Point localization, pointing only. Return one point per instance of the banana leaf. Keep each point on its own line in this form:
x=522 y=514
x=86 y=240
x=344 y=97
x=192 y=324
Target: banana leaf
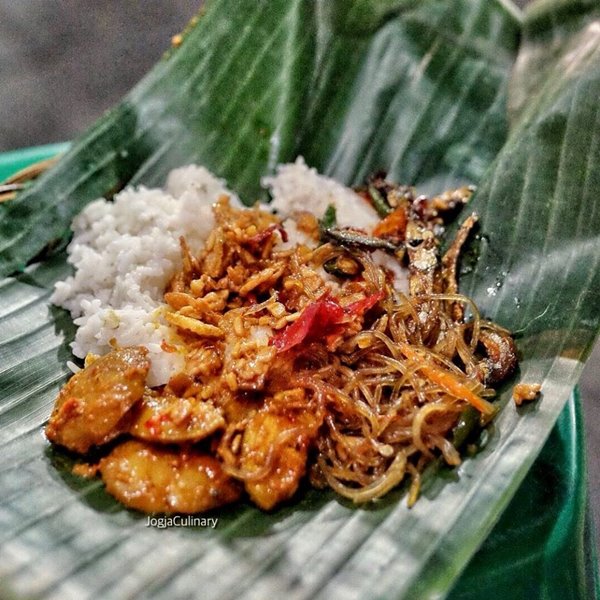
x=420 y=89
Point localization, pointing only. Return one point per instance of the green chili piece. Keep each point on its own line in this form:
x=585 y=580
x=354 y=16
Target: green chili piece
x=379 y=202
x=329 y=219
x=468 y=423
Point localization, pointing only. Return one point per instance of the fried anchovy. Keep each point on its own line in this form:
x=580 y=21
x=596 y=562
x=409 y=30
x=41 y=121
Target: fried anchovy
x=353 y=239
x=450 y=263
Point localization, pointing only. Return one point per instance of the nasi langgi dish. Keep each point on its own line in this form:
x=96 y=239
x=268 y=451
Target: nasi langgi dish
x=235 y=351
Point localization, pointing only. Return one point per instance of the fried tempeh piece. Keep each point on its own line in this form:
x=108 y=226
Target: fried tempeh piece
x=91 y=405
x=169 y=419
x=153 y=479
x=278 y=445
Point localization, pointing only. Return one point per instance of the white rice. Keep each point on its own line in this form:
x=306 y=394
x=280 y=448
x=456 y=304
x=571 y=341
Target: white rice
x=296 y=187
x=125 y=252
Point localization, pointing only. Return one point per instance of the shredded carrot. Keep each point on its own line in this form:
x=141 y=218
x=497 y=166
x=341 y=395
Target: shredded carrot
x=449 y=383
x=393 y=224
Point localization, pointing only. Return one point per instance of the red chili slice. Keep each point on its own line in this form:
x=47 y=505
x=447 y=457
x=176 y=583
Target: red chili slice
x=320 y=319
x=360 y=307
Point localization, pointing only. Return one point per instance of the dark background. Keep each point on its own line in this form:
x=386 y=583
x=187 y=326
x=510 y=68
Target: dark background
x=64 y=62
